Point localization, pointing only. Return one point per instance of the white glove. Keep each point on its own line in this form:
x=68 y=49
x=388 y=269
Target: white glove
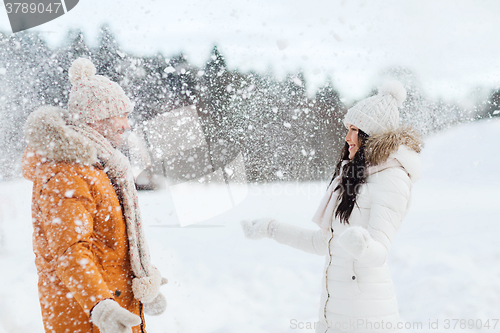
x=147 y=288
x=355 y=240
x=257 y=229
x=110 y=317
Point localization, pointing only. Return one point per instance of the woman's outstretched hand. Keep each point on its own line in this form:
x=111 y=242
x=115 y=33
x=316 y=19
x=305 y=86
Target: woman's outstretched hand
x=257 y=229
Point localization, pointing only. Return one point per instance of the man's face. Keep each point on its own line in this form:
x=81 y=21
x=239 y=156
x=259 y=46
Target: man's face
x=112 y=129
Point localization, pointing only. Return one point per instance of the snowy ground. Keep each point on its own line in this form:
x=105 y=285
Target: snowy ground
x=445 y=261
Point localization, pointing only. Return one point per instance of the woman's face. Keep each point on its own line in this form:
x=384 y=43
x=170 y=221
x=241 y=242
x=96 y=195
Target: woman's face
x=352 y=139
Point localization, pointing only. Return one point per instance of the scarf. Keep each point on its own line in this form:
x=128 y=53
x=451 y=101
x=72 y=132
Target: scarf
x=119 y=172
x=326 y=210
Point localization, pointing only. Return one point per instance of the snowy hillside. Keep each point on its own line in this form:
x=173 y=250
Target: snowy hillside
x=445 y=261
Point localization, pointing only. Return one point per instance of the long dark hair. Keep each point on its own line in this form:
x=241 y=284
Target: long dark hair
x=353 y=175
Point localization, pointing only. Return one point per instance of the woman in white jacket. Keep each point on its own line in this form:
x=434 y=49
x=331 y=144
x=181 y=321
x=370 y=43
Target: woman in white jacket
x=360 y=214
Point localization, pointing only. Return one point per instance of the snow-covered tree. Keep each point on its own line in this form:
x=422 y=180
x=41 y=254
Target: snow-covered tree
x=22 y=56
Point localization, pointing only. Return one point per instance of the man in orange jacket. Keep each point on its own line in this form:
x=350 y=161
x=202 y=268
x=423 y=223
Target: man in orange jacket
x=92 y=258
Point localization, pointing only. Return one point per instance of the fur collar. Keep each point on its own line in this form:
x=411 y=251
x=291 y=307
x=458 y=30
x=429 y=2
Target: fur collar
x=49 y=136
x=402 y=144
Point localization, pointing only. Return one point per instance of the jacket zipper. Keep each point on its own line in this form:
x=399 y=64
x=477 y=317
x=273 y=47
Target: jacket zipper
x=142 y=317
x=326 y=280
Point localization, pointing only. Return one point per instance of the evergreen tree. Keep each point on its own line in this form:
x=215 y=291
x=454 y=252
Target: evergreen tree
x=330 y=130
x=53 y=85
x=21 y=60
x=493 y=105
x=216 y=116
x=107 y=55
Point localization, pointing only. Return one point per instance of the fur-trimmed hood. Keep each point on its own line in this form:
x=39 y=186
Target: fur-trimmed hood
x=50 y=139
x=48 y=134
x=402 y=144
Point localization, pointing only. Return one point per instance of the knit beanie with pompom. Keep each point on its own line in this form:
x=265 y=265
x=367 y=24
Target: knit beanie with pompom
x=94 y=97
x=378 y=113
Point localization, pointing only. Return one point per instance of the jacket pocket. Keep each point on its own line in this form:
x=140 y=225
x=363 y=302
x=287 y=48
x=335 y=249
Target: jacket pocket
x=353 y=278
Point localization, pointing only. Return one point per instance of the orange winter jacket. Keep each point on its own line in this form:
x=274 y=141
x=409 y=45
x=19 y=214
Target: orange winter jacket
x=80 y=243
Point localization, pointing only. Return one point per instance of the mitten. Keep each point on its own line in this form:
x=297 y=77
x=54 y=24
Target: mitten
x=355 y=240
x=110 y=317
x=256 y=229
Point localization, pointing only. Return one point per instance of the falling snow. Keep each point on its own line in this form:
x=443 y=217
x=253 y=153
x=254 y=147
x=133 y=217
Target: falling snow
x=282 y=134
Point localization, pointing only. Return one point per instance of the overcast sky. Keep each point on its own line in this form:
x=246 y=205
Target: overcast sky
x=453 y=46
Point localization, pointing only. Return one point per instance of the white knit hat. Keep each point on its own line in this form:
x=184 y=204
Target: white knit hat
x=378 y=113
x=94 y=97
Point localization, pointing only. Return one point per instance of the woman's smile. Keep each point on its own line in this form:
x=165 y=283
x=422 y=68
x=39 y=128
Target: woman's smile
x=352 y=139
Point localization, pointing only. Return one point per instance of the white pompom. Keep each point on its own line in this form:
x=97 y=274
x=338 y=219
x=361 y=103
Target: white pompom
x=396 y=89
x=81 y=68
x=157 y=306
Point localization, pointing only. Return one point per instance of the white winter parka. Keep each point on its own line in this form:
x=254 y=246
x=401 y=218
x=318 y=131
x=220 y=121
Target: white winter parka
x=358 y=294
